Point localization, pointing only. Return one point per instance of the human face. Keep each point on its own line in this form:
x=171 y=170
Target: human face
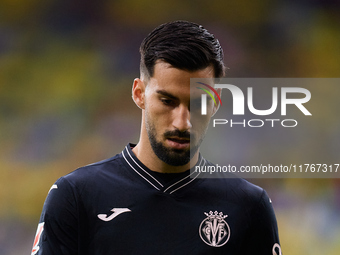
x=167 y=114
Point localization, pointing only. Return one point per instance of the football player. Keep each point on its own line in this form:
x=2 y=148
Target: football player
x=145 y=200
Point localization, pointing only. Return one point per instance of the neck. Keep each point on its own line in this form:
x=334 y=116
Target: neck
x=146 y=155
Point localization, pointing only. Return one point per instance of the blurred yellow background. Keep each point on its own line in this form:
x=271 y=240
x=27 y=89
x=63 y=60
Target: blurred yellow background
x=66 y=70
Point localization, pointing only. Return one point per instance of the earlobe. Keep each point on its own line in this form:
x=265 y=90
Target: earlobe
x=138 y=93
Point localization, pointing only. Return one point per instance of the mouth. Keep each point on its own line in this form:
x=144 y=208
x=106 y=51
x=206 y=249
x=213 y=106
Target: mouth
x=178 y=143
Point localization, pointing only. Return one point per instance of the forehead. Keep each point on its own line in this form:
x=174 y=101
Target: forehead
x=173 y=80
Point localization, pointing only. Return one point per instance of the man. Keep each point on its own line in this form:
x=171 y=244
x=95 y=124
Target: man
x=145 y=200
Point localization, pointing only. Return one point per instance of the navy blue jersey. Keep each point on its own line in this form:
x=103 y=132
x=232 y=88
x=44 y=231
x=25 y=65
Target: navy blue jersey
x=118 y=206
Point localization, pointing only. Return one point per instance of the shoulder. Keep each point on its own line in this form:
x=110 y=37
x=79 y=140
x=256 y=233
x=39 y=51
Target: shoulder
x=245 y=188
x=231 y=186
x=91 y=174
x=235 y=190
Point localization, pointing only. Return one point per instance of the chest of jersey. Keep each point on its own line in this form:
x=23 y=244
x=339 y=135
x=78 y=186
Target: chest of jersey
x=147 y=221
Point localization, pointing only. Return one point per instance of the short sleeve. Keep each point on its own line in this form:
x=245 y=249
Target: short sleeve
x=263 y=237
x=57 y=232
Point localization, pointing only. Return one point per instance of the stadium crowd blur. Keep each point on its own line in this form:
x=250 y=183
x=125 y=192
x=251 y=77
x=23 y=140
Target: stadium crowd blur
x=66 y=70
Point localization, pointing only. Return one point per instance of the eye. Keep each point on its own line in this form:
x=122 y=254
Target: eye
x=167 y=101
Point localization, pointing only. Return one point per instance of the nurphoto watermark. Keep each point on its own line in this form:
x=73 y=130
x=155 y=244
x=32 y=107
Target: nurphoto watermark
x=267 y=127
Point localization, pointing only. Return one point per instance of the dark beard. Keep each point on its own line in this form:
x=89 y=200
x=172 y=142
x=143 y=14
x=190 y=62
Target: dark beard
x=173 y=157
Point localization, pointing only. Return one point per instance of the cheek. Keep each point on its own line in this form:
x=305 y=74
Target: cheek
x=198 y=119
x=153 y=105
x=202 y=121
x=158 y=111
x=154 y=113
x=199 y=124
x=157 y=117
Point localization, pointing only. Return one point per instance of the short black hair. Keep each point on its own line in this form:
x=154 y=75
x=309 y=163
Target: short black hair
x=184 y=45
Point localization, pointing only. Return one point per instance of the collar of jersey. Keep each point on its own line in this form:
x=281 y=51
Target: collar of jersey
x=146 y=174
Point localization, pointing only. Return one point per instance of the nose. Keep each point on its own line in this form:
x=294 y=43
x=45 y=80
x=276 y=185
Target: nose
x=181 y=118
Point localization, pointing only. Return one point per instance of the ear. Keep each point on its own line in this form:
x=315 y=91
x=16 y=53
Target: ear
x=219 y=92
x=138 y=93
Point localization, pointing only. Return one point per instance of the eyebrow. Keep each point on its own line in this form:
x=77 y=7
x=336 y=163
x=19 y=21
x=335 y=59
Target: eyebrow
x=167 y=94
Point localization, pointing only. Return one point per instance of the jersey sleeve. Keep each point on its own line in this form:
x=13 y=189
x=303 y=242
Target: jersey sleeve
x=57 y=231
x=263 y=237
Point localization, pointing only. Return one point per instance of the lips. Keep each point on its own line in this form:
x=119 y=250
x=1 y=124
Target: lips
x=178 y=143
